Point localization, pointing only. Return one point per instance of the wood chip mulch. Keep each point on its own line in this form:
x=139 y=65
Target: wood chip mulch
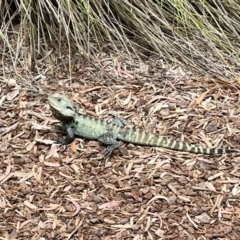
x=48 y=191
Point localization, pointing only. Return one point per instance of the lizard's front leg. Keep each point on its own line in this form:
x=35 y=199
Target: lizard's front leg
x=109 y=138
x=70 y=128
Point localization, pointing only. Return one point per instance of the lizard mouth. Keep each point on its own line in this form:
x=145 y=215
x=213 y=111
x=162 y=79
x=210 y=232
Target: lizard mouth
x=62 y=116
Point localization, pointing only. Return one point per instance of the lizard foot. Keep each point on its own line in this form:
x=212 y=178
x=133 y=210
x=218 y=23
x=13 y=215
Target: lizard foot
x=110 y=149
x=64 y=141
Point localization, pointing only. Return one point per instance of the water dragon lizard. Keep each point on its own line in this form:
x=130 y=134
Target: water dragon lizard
x=109 y=133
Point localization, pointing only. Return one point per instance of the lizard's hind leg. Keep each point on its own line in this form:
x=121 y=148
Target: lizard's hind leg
x=109 y=138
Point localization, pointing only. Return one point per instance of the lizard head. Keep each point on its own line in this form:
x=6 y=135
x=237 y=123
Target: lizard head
x=62 y=107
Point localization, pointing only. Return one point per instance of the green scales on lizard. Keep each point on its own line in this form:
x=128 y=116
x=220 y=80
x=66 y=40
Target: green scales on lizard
x=109 y=133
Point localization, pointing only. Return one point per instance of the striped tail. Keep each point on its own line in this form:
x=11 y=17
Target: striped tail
x=143 y=138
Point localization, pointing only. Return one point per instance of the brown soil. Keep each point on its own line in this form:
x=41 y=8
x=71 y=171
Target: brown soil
x=50 y=191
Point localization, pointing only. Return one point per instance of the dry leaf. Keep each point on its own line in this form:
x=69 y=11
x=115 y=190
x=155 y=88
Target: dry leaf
x=109 y=204
x=3 y=146
x=78 y=208
x=203 y=218
x=199 y=99
x=11 y=95
x=6 y=130
x=158 y=197
x=52 y=164
x=7 y=172
x=73 y=146
x=30 y=205
x=25 y=223
x=155 y=108
x=128 y=99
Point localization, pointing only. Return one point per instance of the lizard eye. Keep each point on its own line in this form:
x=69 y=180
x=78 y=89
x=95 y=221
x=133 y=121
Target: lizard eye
x=70 y=108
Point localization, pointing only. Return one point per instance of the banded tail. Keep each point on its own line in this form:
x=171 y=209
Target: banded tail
x=143 y=138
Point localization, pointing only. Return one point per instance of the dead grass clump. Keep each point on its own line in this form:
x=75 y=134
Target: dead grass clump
x=203 y=35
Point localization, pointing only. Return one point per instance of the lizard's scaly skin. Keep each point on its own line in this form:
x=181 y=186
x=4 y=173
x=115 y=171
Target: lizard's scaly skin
x=108 y=133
